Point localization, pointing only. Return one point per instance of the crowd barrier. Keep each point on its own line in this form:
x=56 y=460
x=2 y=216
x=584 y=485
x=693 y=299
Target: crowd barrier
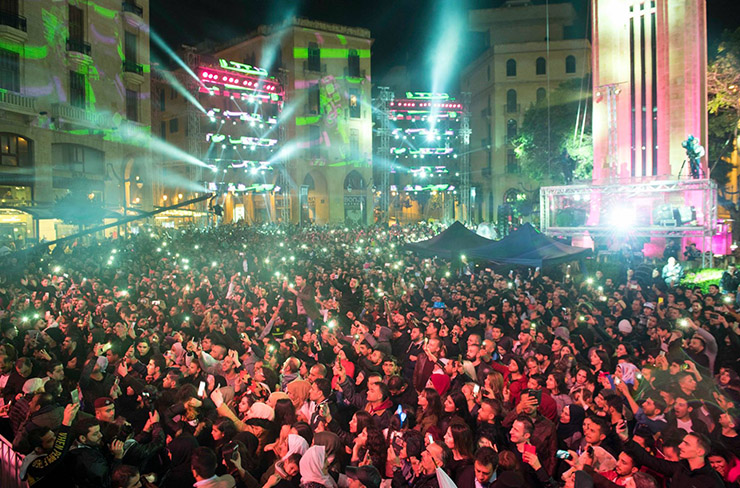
x=10 y=466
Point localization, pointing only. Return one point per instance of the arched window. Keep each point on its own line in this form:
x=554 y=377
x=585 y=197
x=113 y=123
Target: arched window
x=308 y=181
x=15 y=150
x=354 y=181
x=511 y=129
x=511 y=104
x=541 y=95
x=570 y=64
x=541 y=68
x=511 y=67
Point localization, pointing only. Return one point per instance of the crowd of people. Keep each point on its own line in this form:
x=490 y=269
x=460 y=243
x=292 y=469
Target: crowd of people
x=286 y=357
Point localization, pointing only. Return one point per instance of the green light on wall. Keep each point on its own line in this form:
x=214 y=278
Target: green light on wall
x=330 y=53
x=300 y=121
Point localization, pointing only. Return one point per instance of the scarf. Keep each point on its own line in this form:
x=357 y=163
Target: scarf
x=577 y=415
x=296 y=444
x=384 y=405
x=312 y=467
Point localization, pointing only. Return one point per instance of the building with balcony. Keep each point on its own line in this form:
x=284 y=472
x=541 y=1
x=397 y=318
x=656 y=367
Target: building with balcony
x=74 y=106
x=519 y=68
x=321 y=167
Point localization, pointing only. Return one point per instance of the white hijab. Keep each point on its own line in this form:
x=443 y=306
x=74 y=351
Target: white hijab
x=296 y=444
x=312 y=467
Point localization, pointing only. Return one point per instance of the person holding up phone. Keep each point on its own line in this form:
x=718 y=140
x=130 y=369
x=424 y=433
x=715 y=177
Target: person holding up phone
x=543 y=435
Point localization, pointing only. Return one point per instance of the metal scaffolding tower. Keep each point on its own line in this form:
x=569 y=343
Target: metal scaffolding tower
x=283 y=176
x=466 y=210
x=384 y=150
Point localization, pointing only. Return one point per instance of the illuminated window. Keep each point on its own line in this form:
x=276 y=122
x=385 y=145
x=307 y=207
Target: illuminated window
x=132 y=105
x=314 y=136
x=314 y=57
x=511 y=67
x=314 y=99
x=541 y=94
x=14 y=150
x=353 y=63
x=9 y=71
x=570 y=64
x=355 y=110
x=511 y=105
x=354 y=145
x=541 y=66
x=77 y=89
x=174 y=125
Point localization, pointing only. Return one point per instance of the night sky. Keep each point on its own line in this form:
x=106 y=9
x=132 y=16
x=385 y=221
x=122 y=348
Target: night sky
x=404 y=30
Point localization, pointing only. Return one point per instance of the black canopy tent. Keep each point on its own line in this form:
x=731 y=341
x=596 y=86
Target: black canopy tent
x=526 y=246
x=450 y=243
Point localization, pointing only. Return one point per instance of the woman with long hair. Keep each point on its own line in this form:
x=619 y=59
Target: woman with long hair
x=600 y=363
x=429 y=412
x=370 y=448
x=555 y=384
x=455 y=410
x=459 y=438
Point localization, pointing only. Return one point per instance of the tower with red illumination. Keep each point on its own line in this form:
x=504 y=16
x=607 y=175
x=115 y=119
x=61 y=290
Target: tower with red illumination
x=649 y=85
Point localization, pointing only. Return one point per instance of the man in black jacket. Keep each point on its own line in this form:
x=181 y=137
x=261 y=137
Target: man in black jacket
x=87 y=463
x=691 y=471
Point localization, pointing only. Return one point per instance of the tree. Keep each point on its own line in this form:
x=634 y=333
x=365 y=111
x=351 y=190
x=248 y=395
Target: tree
x=723 y=82
x=557 y=144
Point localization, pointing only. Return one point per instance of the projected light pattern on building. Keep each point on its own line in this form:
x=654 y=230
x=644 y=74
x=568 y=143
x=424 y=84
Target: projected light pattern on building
x=425 y=126
x=243 y=105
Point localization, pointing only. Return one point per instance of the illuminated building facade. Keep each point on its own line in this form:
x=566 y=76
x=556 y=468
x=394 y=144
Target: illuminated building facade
x=649 y=65
x=427 y=142
x=319 y=151
x=74 y=109
x=519 y=68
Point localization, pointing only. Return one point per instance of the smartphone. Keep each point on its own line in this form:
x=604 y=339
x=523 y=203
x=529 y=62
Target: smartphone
x=537 y=394
x=476 y=390
x=202 y=389
x=430 y=439
x=560 y=454
x=75 y=394
x=530 y=449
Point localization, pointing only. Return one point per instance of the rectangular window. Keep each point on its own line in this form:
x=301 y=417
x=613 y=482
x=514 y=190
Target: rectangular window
x=131 y=47
x=174 y=126
x=354 y=144
x=162 y=100
x=76 y=24
x=74 y=158
x=132 y=105
x=314 y=99
x=77 y=90
x=314 y=57
x=173 y=94
x=353 y=63
x=163 y=130
x=355 y=111
x=10 y=71
x=512 y=166
x=8 y=150
x=314 y=136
